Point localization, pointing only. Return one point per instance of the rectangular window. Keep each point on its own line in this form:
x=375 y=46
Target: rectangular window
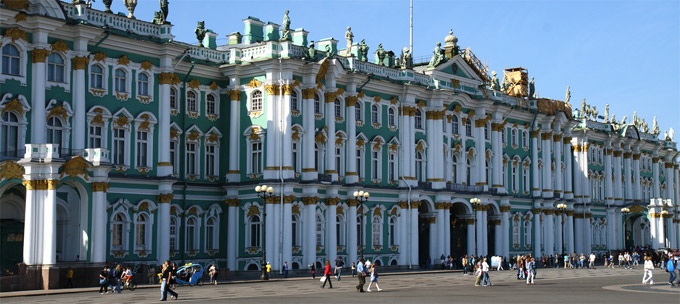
x=295 y=158
x=142 y=146
x=374 y=165
x=358 y=160
x=95 y=137
x=391 y=174
x=191 y=158
x=210 y=160
x=118 y=146
x=338 y=160
x=173 y=157
x=256 y=161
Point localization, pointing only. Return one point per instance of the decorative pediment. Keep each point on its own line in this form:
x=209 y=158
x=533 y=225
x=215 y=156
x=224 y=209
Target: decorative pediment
x=458 y=69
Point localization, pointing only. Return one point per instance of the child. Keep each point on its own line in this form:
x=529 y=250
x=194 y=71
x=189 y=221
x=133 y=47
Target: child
x=374 y=278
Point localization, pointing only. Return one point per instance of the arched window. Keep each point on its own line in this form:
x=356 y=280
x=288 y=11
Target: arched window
x=211 y=159
x=173 y=234
x=254 y=231
x=192 y=105
x=486 y=131
x=191 y=239
x=340 y=230
x=419 y=166
x=142 y=148
x=513 y=136
x=505 y=173
x=525 y=178
x=515 y=232
x=454 y=125
x=468 y=127
x=488 y=172
x=515 y=179
x=468 y=169
x=296 y=237
x=393 y=231
x=119 y=150
x=454 y=171
x=96 y=77
x=357 y=111
x=143 y=84
x=376 y=231
x=173 y=99
x=210 y=105
x=392 y=167
x=525 y=139
x=210 y=240
x=375 y=114
x=256 y=101
x=418 y=119
x=319 y=230
x=338 y=108
x=391 y=117
x=294 y=105
x=140 y=232
x=11 y=60
x=55 y=68
x=191 y=158
x=444 y=126
x=504 y=138
x=360 y=233
x=317 y=104
x=120 y=81
x=527 y=233
x=54 y=130
x=117 y=233
x=318 y=158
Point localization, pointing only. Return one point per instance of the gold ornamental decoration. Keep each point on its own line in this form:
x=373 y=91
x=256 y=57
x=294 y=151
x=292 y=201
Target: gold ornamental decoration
x=15 y=34
x=212 y=137
x=194 y=84
x=308 y=93
x=193 y=135
x=122 y=121
x=60 y=46
x=165 y=198
x=146 y=65
x=99 y=56
x=332 y=201
x=15 y=106
x=75 y=167
x=11 y=170
x=21 y=16
x=213 y=86
x=79 y=63
x=123 y=60
x=253 y=210
x=168 y=78
x=321 y=75
x=100 y=186
x=39 y=55
x=235 y=95
x=16 y=4
x=271 y=89
x=57 y=111
x=254 y=83
x=310 y=200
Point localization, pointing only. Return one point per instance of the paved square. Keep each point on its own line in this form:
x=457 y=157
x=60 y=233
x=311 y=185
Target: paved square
x=552 y=286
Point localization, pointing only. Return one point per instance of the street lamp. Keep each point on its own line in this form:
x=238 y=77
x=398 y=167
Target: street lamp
x=264 y=192
x=361 y=197
x=625 y=211
x=563 y=208
x=475 y=203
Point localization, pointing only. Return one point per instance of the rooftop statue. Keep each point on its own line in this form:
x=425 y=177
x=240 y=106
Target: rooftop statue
x=200 y=32
x=349 y=37
x=406 y=58
x=594 y=112
x=285 y=27
x=437 y=56
x=532 y=89
x=606 y=113
x=329 y=51
x=363 y=49
x=161 y=16
x=643 y=126
x=495 y=86
x=381 y=54
x=613 y=120
x=623 y=121
x=505 y=84
x=107 y=4
x=311 y=52
x=568 y=96
x=670 y=134
x=665 y=135
x=655 y=127
x=130 y=5
x=635 y=118
x=583 y=107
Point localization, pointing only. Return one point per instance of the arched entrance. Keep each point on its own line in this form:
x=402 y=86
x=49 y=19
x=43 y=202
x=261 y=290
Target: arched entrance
x=424 y=220
x=12 y=211
x=637 y=231
x=492 y=226
x=459 y=230
x=69 y=218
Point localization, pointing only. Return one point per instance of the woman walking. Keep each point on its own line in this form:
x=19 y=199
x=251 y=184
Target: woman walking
x=530 y=271
x=327 y=274
x=374 y=279
x=648 y=277
x=354 y=269
x=213 y=274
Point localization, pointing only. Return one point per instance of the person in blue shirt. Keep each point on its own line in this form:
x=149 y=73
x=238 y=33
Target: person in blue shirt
x=361 y=274
x=670 y=267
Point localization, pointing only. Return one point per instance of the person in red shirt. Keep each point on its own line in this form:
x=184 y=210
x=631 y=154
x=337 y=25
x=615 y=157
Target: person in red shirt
x=327 y=274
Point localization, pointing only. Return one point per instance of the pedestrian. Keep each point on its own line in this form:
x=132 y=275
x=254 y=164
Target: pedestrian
x=69 y=277
x=173 y=275
x=566 y=261
x=478 y=273
x=327 y=274
x=165 y=282
x=374 y=278
x=285 y=269
x=338 y=267
x=103 y=281
x=117 y=272
x=648 y=276
x=150 y=272
x=591 y=261
x=465 y=264
x=312 y=266
x=486 y=281
x=361 y=274
x=670 y=268
x=367 y=264
x=212 y=271
x=354 y=269
x=269 y=270
x=531 y=271
x=582 y=261
x=620 y=260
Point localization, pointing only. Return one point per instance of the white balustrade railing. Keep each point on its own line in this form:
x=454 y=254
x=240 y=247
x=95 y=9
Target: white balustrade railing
x=96 y=156
x=118 y=22
x=209 y=54
x=253 y=53
x=44 y=152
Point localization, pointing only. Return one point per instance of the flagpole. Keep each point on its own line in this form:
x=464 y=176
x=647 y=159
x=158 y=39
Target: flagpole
x=411 y=30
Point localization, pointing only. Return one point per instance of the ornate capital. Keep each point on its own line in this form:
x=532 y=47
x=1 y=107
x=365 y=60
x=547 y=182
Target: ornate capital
x=272 y=89
x=308 y=93
x=505 y=208
x=351 y=202
x=415 y=205
x=534 y=134
x=557 y=138
x=232 y=202
x=79 y=63
x=617 y=153
x=165 y=198
x=548 y=211
x=41 y=184
x=332 y=201
x=403 y=204
x=310 y=200
x=566 y=140
x=636 y=156
x=351 y=101
x=100 y=186
x=39 y=55
x=469 y=221
x=546 y=136
x=330 y=96
x=537 y=210
x=168 y=78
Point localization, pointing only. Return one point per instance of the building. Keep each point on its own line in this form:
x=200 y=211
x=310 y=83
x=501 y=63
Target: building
x=121 y=145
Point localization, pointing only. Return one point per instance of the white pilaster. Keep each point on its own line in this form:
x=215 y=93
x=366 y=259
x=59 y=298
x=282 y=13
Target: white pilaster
x=330 y=142
x=331 y=228
x=232 y=230
x=352 y=232
x=308 y=171
x=288 y=232
x=351 y=174
x=568 y=190
x=234 y=175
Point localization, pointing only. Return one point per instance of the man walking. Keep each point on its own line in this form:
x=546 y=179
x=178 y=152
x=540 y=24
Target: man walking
x=165 y=282
x=338 y=267
x=591 y=261
x=361 y=274
x=486 y=281
x=285 y=270
x=670 y=267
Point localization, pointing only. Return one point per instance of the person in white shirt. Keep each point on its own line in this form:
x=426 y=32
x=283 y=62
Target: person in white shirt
x=530 y=271
x=648 y=277
x=591 y=261
x=367 y=264
x=486 y=281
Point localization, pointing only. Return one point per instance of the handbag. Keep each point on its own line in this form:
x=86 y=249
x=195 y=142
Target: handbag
x=102 y=281
x=322 y=279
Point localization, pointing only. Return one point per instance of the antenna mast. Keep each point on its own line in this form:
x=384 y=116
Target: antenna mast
x=411 y=30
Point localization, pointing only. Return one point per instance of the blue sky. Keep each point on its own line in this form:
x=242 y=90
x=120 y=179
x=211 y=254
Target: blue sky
x=624 y=53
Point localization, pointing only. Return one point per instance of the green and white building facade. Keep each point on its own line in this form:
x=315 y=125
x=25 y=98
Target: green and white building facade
x=121 y=145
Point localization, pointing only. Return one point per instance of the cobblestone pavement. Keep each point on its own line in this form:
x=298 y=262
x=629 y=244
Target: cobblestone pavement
x=552 y=286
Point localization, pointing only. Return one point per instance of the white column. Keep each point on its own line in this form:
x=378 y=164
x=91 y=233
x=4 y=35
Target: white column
x=434 y=244
x=30 y=224
x=308 y=172
x=535 y=185
x=270 y=236
x=352 y=241
x=557 y=154
x=163 y=241
x=637 y=189
x=498 y=238
x=414 y=257
x=588 y=234
x=578 y=232
x=286 y=128
x=537 y=234
x=480 y=146
x=38 y=82
x=655 y=174
x=618 y=185
x=276 y=229
x=271 y=168
x=351 y=174
x=405 y=152
x=441 y=234
x=628 y=195
x=403 y=222
x=568 y=190
x=430 y=134
x=497 y=148
x=670 y=188
x=331 y=228
x=549 y=232
x=611 y=224
x=608 y=187
x=439 y=151
x=233 y=175
x=471 y=236
x=479 y=232
x=546 y=139
x=569 y=244
x=232 y=231
x=485 y=230
x=559 y=228
x=505 y=228
x=412 y=148
x=330 y=142
x=447 y=230
x=79 y=88
x=50 y=224
x=288 y=232
x=309 y=249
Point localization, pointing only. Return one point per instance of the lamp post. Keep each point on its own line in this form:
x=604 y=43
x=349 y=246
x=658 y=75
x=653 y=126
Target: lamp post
x=625 y=211
x=264 y=192
x=475 y=203
x=361 y=197
x=563 y=208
